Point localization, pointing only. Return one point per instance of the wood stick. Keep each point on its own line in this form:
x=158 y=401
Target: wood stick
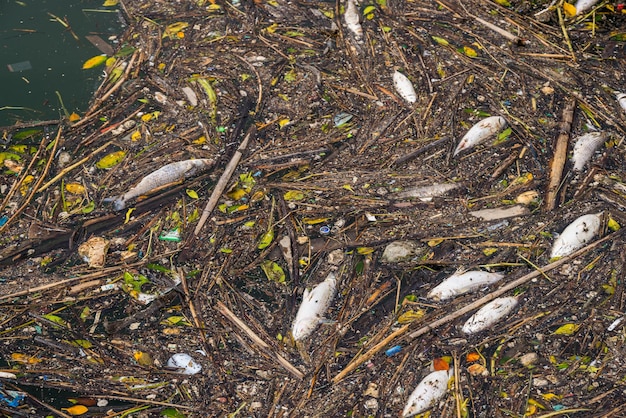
x=223 y=181
x=35 y=188
x=256 y=339
x=356 y=362
x=560 y=154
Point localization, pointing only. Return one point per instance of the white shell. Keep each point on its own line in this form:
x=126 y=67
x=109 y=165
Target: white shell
x=480 y=132
x=351 y=17
x=428 y=392
x=584 y=5
x=577 y=234
x=426 y=193
x=167 y=174
x=404 y=87
x=184 y=363
x=585 y=146
x=458 y=284
x=490 y=314
x=315 y=302
x=621 y=99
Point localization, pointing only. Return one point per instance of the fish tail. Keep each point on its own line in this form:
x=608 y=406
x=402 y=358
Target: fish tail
x=118 y=202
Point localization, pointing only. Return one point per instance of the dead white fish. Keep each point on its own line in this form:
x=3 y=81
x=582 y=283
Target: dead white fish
x=621 y=99
x=351 y=16
x=490 y=314
x=426 y=193
x=428 y=392
x=458 y=284
x=167 y=174
x=314 y=304
x=577 y=234
x=583 y=5
x=585 y=146
x=480 y=132
x=404 y=87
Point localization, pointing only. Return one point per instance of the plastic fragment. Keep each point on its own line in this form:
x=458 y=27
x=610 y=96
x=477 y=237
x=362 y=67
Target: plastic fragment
x=184 y=363
x=393 y=350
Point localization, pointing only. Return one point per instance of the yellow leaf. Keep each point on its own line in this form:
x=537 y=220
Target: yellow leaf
x=613 y=225
x=75 y=188
x=314 y=221
x=410 y=316
x=504 y=3
x=273 y=271
x=551 y=396
x=435 y=242
x=567 y=329
x=283 y=122
x=26 y=184
x=24 y=358
x=110 y=61
x=440 y=41
x=111 y=160
x=136 y=136
x=470 y=52
x=348 y=187
x=272 y=28
x=74 y=117
x=191 y=193
x=150 y=116
x=266 y=239
x=143 y=359
x=174 y=28
x=236 y=194
x=293 y=195
x=200 y=141
x=109 y=3
x=569 y=9
x=94 y=61
x=364 y=250
x=76 y=410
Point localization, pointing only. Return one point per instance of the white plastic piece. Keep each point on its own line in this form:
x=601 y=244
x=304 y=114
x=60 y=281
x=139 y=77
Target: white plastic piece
x=480 y=132
x=577 y=234
x=490 y=314
x=427 y=393
x=404 y=87
x=585 y=146
x=615 y=324
x=426 y=193
x=314 y=304
x=185 y=363
x=458 y=284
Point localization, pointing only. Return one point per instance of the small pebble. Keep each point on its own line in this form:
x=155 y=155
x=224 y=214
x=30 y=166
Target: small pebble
x=529 y=359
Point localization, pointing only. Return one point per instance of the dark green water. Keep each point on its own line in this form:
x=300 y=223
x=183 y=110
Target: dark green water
x=38 y=56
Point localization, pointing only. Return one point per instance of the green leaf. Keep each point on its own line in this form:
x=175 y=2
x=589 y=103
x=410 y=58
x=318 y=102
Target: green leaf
x=440 y=41
x=266 y=239
x=273 y=271
x=56 y=319
x=191 y=193
x=172 y=413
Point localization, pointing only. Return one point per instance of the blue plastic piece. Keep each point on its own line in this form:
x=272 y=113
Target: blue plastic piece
x=393 y=350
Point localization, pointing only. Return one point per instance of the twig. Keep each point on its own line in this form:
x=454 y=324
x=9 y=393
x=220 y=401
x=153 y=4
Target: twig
x=39 y=181
x=192 y=308
x=560 y=154
x=256 y=339
x=71 y=167
x=223 y=181
x=356 y=362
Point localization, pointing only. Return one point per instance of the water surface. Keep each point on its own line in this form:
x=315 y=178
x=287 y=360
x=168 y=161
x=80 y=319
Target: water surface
x=39 y=55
